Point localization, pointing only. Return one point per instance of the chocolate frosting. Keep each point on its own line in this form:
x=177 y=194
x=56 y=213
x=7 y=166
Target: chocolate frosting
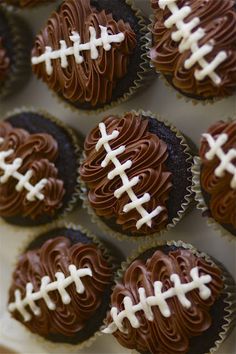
x=92 y=81
x=222 y=197
x=166 y=335
x=218 y=19
x=39 y=153
x=54 y=256
x=4 y=61
x=148 y=154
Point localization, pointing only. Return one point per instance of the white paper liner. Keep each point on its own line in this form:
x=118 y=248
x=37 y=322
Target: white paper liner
x=229 y=284
x=77 y=145
x=201 y=205
x=47 y=345
x=184 y=206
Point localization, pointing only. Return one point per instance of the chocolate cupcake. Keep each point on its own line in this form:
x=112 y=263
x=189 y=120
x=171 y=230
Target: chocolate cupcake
x=194 y=46
x=136 y=174
x=215 y=176
x=15 y=42
x=39 y=161
x=61 y=287
x=171 y=298
x=92 y=53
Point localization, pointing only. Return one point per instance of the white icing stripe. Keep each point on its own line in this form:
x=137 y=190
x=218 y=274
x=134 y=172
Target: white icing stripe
x=11 y=171
x=190 y=41
x=60 y=285
x=119 y=170
x=104 y=41
x=226 y=160
x=159 y=299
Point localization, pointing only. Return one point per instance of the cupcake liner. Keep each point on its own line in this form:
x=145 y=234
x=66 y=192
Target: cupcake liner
x=229 y=288
x=201 y=205
x=179 y=95
x=184 y=206
x=47 y=345
x=144 y=75
x=77 y=144
x=20 y=71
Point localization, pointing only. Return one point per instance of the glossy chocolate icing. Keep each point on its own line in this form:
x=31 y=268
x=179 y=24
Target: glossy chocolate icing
x=169 y=335
x=218 y=19
x=38 y=152
x=148 y=154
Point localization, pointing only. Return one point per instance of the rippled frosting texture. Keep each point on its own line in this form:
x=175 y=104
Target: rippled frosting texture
x=92 y=81
x=39 y=153
x=4 y=61
x=148 y=154
x=166 y=335
x=55 y=256
x=218 y=19
x=222 y=203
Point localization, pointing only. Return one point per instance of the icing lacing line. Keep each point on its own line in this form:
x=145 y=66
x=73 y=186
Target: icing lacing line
x=119 y=170
x=104 y=41
x=159 y=299
x=11 y=170
x=225 y=159
x=190 y=41
x=46 y=286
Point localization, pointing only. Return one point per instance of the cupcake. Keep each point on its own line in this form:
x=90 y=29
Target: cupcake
x=194 y=46
x=170 y=299
x=136 y=175
x=14 y=53
x=38 y=168
x=91 y=53
x=215 y=176
x=61 y=286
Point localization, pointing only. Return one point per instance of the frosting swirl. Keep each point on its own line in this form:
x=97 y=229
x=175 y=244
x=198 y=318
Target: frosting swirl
x=56 y=255
x=221 y=196
x=38 y=153
x=148 y=155
x=4 y=61
x=218 y=19
x=92 y=81
x=165 y=334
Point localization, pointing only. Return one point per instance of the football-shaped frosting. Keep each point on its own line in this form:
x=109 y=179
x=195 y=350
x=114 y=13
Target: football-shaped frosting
x=194 y=45
x=82 y=52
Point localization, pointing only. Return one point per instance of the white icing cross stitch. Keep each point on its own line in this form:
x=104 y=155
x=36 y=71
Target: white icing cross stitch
x=159 y=299
x=119 y=170
x=190 y=40
x=104 y=41
x=225 y=159
x=11 y=170
x=60 y=285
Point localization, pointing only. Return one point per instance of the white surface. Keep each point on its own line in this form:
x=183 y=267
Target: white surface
x=192 y=120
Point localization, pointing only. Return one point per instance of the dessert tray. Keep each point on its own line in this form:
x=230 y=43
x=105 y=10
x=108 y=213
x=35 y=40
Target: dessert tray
x=191 y=119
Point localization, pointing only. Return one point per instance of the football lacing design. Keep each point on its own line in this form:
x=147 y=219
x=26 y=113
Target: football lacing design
x=104 y=41
x=190 y=40
x=127 y=187
x=159 y=299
